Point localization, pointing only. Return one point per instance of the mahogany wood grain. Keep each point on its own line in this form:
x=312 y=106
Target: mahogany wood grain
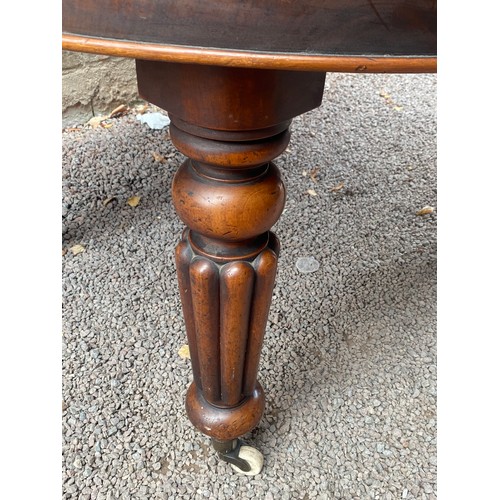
x=276 y=96
x=229 y=194
x=236 y=292
x=224 y=424
x=204 y=278
x=302 y=27
x=183 y=256
x=414 y=63
x=243 y=153
x=265 y=273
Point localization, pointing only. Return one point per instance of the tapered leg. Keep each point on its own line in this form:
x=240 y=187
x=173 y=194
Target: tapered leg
x=230 y=123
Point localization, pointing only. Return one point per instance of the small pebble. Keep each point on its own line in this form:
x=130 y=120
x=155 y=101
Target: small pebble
x=307 y=264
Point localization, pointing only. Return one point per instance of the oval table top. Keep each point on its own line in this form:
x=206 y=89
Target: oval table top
x=314 y=35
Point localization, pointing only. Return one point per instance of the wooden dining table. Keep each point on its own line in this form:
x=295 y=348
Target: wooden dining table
x=232 y=75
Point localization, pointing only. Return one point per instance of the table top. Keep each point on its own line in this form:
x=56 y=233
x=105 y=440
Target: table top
x=323 y=35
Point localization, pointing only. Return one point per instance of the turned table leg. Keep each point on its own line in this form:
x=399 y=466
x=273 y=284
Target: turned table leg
x=230 y=123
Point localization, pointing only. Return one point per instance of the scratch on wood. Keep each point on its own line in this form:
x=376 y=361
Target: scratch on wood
x=372 y=5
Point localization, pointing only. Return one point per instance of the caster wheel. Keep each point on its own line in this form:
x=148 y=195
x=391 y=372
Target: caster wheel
x=254 y=458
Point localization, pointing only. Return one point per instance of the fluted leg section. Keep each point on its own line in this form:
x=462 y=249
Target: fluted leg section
x=226 y=288
x=230 y=123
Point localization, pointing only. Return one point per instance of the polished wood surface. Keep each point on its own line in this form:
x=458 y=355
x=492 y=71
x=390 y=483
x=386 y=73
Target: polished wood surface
x=230 y=123
x=327 y=27
x=323 y=35
x=277 y=96
x=231 y=58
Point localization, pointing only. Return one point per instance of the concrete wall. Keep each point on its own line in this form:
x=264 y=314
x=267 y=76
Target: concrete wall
x=95 y=82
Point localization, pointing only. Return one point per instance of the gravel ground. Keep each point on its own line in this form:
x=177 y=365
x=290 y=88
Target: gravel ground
x=349 y=363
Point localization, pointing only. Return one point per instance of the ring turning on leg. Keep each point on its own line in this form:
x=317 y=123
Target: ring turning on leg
x=230 y=123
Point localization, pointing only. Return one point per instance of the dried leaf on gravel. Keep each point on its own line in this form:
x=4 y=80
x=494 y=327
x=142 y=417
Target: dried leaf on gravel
x=96 y=121
x=184 y=352
x=313 y=174
x=390 y=102
x=64 y=251
x=336 y=188
x=140 y=110
x=107 y=201
x=158 y=157
x=134 y=201
x=120 y=110
x=312 y=192
x=425 y=211
x=76 y=249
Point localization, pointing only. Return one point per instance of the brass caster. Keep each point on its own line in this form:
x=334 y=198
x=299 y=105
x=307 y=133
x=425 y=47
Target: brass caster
x=243 y=459
x=253 y=457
